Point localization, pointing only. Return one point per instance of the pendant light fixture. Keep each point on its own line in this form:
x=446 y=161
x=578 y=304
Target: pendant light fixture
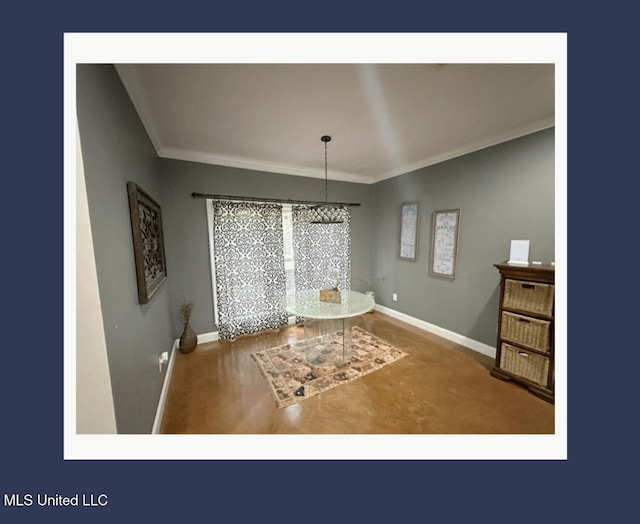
x=326 y=213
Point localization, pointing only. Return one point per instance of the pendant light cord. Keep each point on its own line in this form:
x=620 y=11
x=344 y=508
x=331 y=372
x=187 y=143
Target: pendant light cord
x=326 y=191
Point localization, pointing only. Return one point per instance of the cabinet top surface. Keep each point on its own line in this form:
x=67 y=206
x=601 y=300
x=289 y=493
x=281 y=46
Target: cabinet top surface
x=545 y=272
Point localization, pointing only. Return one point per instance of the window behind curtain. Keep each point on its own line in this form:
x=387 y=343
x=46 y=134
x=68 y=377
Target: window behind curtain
x=249 y=267
x=321 y=252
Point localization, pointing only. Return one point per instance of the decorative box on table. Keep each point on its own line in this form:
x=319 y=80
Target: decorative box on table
x=330 y=295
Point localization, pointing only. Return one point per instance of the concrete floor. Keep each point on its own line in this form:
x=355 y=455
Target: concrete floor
x=439 y=388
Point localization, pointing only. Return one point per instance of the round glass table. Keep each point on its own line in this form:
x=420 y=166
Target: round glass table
x=326 y=324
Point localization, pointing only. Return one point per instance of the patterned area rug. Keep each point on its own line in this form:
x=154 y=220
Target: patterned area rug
x=306 y=368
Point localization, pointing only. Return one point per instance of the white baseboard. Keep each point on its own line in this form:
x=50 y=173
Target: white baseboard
x=208 y=337
x=480 y=347
x=202 y=339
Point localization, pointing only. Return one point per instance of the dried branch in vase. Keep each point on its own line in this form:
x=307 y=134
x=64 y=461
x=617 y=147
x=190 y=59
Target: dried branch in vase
x=367 y=285
x=185 y=311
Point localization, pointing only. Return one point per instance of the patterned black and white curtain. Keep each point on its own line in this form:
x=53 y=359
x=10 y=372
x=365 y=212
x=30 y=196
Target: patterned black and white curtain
x=321 y=252
x=249 y=267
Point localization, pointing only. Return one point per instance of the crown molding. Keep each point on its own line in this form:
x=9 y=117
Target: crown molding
x=285 y=169
x=137 y=95
x=470 y=148
x=257 y=165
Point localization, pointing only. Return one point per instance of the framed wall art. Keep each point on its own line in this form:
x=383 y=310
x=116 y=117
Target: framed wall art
x=409 y=230
x=444 y=243
x=148 y=242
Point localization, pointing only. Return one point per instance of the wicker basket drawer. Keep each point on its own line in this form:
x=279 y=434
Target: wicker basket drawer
x=530 y=366
x=533 y=297
x=526 y=331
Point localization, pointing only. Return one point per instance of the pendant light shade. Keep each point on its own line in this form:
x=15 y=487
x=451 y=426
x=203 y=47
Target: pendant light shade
x=326 y=213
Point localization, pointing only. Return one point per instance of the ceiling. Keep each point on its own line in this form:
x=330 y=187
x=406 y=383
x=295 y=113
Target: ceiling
x=384 y=119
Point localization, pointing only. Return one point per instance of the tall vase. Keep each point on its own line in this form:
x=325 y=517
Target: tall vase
x=372 y=295
x=188 y=339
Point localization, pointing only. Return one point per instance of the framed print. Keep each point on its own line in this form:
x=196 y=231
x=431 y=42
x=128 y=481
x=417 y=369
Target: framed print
x=444 y=243
x=409 y=230
x=148 y=242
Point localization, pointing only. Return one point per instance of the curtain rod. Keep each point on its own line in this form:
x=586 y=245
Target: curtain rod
x=276 y=200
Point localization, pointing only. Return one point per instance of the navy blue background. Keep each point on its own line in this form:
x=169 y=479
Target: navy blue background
x=602 y=236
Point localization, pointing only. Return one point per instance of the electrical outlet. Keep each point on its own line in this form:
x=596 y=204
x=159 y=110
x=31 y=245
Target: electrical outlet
x=162 y=360
x=395 y=297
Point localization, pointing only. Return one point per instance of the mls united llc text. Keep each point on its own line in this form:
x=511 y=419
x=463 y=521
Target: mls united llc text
x=90 y=500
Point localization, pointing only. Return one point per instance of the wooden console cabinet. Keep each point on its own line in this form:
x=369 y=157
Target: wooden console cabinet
x=525 y=345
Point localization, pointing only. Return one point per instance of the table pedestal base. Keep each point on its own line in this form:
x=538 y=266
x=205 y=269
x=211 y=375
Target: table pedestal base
x=333 y=341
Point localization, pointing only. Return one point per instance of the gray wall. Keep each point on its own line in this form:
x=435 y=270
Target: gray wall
x=504 y=192
x=185 y=223
x=116 y=149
